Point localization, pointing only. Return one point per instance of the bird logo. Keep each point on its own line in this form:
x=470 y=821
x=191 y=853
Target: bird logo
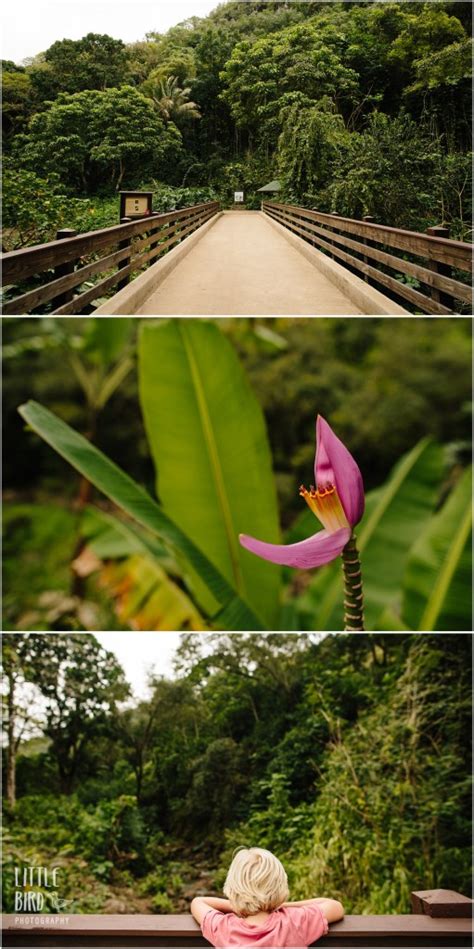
x=59 y=905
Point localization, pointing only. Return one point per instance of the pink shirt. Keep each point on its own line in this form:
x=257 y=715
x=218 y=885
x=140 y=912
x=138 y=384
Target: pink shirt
x=294 y=926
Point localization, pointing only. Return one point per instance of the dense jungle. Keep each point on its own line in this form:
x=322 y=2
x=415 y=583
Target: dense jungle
x=357 y=108
x=346 y=755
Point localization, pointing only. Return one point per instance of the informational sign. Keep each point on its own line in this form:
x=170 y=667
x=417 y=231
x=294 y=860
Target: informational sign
x=238 y=197
x=135 y=203
x=135 y=206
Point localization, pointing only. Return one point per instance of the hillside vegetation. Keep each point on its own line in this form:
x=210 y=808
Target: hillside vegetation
x=359 y=108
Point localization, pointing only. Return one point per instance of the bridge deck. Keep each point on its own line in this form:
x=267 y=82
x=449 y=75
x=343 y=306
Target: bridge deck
x=243 y=265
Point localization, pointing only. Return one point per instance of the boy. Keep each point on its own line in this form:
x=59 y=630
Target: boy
x=255 y=912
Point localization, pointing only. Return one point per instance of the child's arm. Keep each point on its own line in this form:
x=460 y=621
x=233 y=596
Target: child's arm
x=333 y=910
x=202 y=904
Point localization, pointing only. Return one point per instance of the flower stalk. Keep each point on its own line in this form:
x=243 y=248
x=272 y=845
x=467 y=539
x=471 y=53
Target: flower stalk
x=353 y=592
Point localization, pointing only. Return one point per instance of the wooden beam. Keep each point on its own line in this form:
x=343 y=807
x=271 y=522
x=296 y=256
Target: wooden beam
x=430 y=277
x=445 y=250
x=181 y=930
x=423 y=302
x=177 y=223
x=20 y=264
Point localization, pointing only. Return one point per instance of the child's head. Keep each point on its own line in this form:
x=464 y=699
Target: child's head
x=256 y=881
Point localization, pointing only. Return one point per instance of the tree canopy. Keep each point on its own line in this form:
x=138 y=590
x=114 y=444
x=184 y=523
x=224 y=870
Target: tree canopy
x=319 y=94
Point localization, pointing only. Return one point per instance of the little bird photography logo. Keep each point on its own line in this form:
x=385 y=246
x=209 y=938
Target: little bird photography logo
x=36 y=890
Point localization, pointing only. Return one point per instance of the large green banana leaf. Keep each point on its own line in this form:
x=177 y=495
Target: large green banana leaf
x=438 y=580
x=232 y=611
x=395 y=514
x=111 y=537
x=209 y=443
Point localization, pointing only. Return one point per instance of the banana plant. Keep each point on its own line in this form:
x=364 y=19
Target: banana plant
x=214 y=481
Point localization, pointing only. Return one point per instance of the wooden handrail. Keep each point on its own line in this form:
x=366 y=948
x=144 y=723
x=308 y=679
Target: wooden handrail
x=426 y=928
x=175 y=931
x=123 y=249
x=438 y=255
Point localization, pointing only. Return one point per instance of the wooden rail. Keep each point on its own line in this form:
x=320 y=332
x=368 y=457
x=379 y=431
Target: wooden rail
x=429 y=259
x=439 y=921
x=55 y=277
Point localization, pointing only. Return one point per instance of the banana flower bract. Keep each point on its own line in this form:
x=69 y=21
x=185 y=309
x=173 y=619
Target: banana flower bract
x=337 y=500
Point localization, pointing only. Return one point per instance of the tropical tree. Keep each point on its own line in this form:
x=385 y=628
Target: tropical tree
x=81 y=684
x=96 y=61
x=18 y=702
x=93 y=138
x=173 y=103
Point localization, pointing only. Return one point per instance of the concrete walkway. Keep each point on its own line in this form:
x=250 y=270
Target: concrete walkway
x=243 y=265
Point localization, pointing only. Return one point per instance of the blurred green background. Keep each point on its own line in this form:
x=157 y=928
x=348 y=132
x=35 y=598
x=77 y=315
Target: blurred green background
x=396 y=391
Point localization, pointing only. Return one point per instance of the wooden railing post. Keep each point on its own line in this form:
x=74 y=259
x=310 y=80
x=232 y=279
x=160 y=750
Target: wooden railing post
x=365 y=240
x=124 y=263
x=333 y=214
x=441 y=903
x=154 y=240
x=444 y=269
x=62 y=269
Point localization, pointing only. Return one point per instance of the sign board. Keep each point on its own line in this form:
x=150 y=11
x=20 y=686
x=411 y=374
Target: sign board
x=238 y=197
x=135 y=204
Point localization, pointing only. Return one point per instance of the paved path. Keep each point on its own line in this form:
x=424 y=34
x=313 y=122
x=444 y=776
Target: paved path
x=242 y=265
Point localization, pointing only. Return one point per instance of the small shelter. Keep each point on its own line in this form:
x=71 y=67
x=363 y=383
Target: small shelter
x=271 y=188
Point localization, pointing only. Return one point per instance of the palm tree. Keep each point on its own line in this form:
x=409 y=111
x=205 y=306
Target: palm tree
x=173 y=103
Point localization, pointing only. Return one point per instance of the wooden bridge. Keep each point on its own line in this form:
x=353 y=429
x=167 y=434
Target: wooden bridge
x=440 y=919
x=280 y=260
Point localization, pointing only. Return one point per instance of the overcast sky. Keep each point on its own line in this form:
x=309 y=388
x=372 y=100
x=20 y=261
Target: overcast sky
x=141 y=653
x=31 y=26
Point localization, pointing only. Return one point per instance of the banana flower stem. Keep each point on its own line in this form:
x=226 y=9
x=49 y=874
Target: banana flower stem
x=353 y=594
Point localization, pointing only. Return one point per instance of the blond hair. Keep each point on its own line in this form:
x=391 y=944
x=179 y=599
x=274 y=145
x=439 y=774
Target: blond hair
x=256 y=882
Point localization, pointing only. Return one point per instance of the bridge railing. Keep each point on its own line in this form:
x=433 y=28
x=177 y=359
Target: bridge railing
x=74 y=273
x=439 y=920
x=431 y=263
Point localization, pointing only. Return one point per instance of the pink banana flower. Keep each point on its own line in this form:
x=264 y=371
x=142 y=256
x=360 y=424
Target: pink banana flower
x=337 y=501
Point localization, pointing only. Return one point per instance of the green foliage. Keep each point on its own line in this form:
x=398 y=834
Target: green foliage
x=81 y=684
x=106 y=339
x=162 y=903
x=329 y=95
x=385 y=172
x=377 y=383
x=94 y=62
x=172 y=102
x=92 y=137
x=33 y=210
x=427 y=31
x=436 y=589
x=311 y=143
x=346 y=755
x=167 y=198
x=387 y=772
x=16 y=100
x=391 y=525
x=121 y=489
x=45 y=534
x=294 y=64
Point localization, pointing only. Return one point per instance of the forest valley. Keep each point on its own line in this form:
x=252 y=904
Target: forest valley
x=346 y=755
x=357 y=108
